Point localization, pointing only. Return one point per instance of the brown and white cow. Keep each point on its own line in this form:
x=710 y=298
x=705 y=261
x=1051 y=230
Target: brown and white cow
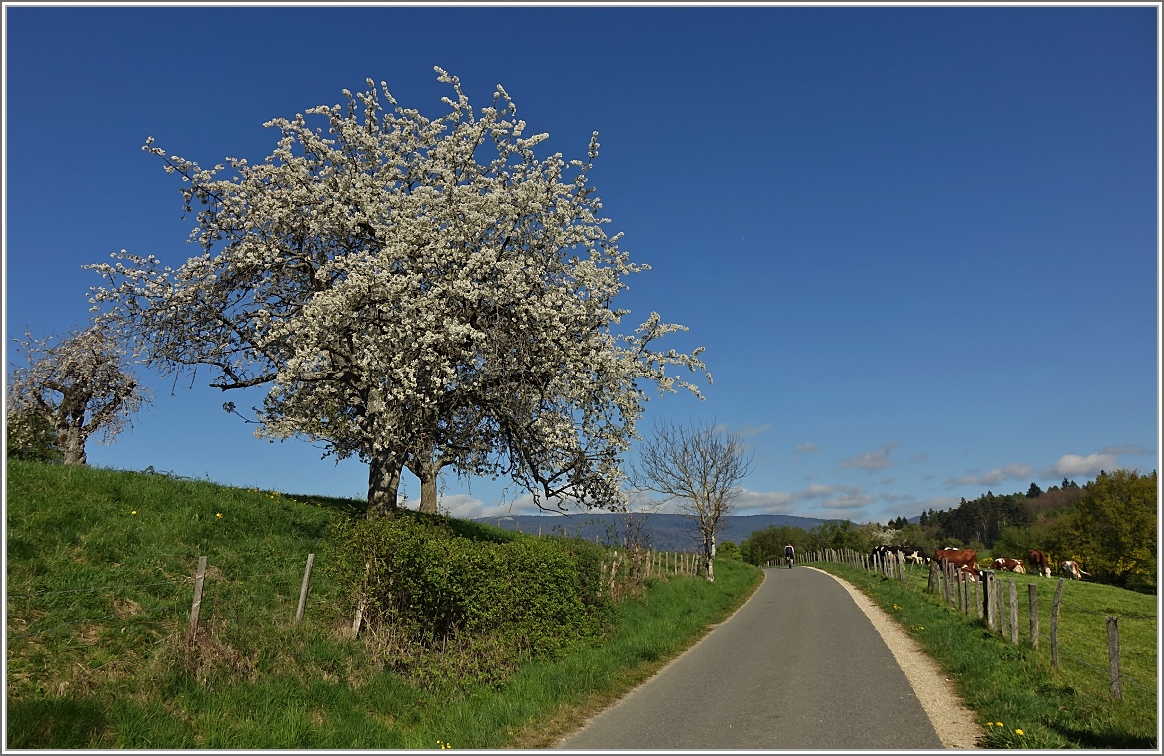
x=1008 y=565
x=1073 y=570
x=1039 y=562
x=957 y=557
x=970 y=573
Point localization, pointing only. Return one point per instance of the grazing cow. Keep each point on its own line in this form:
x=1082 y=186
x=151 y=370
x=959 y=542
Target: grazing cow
x=1008 y=565
x=1073 y=570
x=1039 y=561
x=915 y=554
x=971 y=574
x=957 y=557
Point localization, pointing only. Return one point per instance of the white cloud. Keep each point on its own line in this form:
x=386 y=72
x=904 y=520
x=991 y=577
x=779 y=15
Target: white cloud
x=782 y=502
x=849 y=501
x=1073 y=464
x=765 y=502
x=808 y=447
x=996 y=475
x=835 y=497
x=874 y=461
x=746 y=431
x=468 y=507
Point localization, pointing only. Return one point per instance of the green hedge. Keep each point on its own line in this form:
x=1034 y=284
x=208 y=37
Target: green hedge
x=446 y=606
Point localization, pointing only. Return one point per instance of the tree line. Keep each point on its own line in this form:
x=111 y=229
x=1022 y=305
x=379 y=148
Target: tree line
x=1109 y=525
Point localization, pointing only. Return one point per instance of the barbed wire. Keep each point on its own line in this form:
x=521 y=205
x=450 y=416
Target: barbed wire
x=1084 y=610
x=1105 y=672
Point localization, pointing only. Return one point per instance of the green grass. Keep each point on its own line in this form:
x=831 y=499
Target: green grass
x=98 y=604
x=1067 y=707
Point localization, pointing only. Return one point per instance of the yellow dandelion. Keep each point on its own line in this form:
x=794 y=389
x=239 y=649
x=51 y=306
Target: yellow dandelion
x=999 y=724
x=133 y=512
x=1018 y=732
x=218 y=514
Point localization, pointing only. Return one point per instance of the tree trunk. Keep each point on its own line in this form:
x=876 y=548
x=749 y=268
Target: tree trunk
x=383 y=484
x=709 y=556
x=428 y=495
x=426 y=469
x=72 y=444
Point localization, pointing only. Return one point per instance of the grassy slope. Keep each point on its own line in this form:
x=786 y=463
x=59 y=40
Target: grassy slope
x=99 y=590
x=1055 y=708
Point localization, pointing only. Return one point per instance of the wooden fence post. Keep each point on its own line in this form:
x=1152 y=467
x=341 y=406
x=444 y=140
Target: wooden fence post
x=1013 y=613
x=303 y=588
x=1033 y=601
x=958 y=590
x=1055 y=624
x=613 y=572
x=1113 y=655
x=363 y=602
x=931 y=584
x=196 y=607
x=978 y=596
x=988 y=600
x=1000 y=598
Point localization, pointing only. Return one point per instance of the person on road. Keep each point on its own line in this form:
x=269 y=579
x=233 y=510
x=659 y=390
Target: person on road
x=789 y=554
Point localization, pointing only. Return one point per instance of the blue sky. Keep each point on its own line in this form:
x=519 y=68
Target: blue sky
x=919 y=244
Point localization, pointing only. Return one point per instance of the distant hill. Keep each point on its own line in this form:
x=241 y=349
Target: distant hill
x=668 y=532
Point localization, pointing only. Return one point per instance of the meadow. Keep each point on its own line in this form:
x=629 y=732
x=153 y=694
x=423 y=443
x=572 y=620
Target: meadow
x=99 y=579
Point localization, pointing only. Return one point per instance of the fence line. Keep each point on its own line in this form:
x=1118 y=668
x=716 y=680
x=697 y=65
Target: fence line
x=996 y=606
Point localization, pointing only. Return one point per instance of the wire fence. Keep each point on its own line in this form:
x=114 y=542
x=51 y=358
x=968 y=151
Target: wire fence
x=982 y=595
x=213 y=595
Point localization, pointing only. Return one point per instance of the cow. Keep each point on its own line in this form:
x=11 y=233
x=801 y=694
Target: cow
x=1073 y=570
x=909 y=554
x=1008 y=565
x=971 y=574
x=1039 y=562
x=957 y=557
x=914 y=554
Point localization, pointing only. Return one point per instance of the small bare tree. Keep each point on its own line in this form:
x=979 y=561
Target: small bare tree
x=700 y=466
x=79 y=387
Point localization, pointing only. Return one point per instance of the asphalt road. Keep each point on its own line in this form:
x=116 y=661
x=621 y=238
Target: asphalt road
x=797 y=667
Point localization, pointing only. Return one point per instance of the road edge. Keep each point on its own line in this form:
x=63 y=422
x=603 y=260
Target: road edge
x=956 y=725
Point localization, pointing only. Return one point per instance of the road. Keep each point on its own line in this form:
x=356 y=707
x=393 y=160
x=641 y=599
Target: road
x=799 y=666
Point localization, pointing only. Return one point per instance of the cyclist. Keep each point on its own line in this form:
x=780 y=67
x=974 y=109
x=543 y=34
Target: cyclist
x=789 y=555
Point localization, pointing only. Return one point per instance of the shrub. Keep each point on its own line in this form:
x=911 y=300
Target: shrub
x=428 y=592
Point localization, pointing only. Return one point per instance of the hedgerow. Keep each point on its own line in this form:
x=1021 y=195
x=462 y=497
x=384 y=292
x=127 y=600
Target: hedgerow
x=442 y=607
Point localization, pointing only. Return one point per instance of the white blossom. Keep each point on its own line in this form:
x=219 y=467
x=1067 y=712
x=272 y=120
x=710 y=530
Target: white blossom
x=79 y=386
x=413 y=291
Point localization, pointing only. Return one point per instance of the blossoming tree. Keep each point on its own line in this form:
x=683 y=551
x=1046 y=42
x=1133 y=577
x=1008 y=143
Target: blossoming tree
x=78 y=387
x=421 y=293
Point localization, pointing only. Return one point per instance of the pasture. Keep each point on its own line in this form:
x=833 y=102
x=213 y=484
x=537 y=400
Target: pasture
x=1037 y=705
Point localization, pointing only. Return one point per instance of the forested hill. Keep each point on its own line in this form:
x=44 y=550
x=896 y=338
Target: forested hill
x=668 y=532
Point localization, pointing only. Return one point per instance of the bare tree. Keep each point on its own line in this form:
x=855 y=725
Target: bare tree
x=701 y=467
x=79 y=387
